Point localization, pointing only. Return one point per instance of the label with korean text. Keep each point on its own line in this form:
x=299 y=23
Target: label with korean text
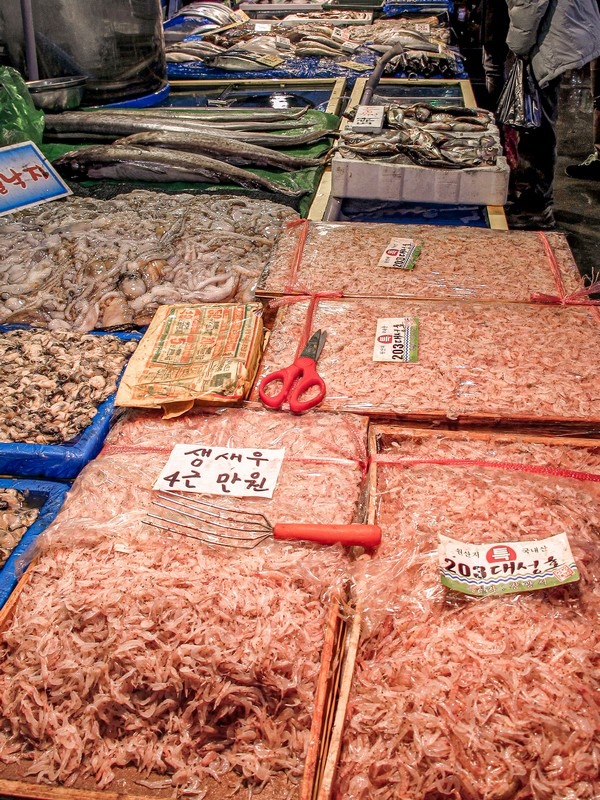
x=356 y=66
x=238 y=471
x=340 y=34
x=27 y=178
x=397 y=339
x=423 y=27
x=506 y=567
x=270 y=61
x=400 y=254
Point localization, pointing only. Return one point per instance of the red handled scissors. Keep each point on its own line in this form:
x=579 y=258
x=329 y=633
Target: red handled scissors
x=297 y=379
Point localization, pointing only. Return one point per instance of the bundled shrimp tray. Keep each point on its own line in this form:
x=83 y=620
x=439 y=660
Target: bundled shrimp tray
x=180 y=668
x=504 y=364
x=420 y=261
x=443 y=692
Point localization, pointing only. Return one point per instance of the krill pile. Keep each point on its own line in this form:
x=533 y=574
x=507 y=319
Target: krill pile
x=53 y=382
x=83 y=263
x=15 y=518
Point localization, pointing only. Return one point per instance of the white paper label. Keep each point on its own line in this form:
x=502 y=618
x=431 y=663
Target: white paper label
x=506 y=567
x=369 y=119
x=27 y=178
x=400 y=254
x=340 y=35
x=262 y=26
x=397 y=339
x=238 y=471
x=423 y=27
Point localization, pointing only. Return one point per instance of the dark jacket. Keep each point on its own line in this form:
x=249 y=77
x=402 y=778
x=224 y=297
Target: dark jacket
x=556 y=34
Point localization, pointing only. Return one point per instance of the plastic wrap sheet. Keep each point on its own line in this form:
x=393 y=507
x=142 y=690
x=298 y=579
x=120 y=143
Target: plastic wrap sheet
x=48 y=497
x=132 y=253
x=65 y=460
x=165 y=655
x=493 y=361
x=454 y=263
x=456 y=696
x=320 y=480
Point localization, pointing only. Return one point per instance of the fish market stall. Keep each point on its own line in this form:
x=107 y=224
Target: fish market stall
x=447 y=684
x=422 y=262
x=440 y=361
x=218 y=649
x=58 y=392
x=182 y=149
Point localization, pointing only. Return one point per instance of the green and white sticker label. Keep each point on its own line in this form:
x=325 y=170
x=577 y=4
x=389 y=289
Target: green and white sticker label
x=506 y=567
x=400 y=254
x=397 y=339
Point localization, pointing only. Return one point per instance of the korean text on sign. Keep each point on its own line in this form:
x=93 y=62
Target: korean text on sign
x=237 y=471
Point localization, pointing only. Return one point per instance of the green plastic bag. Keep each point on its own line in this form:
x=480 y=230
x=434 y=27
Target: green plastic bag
x=20 y=120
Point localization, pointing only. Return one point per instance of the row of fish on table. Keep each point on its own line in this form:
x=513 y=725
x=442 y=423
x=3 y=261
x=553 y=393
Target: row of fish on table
x=200 y=145
x=243 y=48
x=421 y=133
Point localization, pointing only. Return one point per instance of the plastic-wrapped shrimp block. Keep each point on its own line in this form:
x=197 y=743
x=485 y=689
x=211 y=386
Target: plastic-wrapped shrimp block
x=476 y=696
x=192 y=665
x=494 y=362
x=362 y=260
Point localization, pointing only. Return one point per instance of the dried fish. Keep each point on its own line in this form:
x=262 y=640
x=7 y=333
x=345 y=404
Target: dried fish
x=221 y=147
x=15 y=517
x=152 y=164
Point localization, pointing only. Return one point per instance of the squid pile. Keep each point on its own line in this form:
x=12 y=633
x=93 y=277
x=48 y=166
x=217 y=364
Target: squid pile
x=82 y=263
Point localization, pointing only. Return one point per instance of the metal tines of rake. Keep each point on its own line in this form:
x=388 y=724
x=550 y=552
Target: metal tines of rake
x=227 y=527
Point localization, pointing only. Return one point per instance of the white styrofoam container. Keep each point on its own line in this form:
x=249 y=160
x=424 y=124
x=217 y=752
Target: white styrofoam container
x=376 y=180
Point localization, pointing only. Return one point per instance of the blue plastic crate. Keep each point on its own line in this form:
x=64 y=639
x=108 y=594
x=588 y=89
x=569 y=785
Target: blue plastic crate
x=49 y=497
x=61 y=461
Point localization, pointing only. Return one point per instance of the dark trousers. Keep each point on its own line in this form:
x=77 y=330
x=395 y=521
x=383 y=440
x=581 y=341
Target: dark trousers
x=534 y=177
x=595 y=75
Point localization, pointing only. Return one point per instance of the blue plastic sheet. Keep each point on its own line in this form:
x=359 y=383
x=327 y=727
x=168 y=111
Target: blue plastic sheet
x=413 y=213
x=306 y=68
x=417 y=7
x=61 y=461
x=48 y=497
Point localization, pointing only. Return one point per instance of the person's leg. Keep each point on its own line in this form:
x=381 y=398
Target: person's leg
x=590 y=168
x=534 y=179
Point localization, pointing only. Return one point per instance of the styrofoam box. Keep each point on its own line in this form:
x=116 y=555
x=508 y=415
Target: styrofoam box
x=376 y=180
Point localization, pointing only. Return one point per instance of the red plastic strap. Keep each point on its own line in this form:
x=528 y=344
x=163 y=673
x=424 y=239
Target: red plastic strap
x=119 y=449
x=506 y=465
x=580 y=298
x=297 y=254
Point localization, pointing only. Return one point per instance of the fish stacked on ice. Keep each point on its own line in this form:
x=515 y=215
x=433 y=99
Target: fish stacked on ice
x=84 y=263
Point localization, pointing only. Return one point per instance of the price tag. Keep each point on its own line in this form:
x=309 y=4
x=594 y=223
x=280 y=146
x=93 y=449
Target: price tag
x=340 y=35
x=506 y=567
x=400 y=254
x=356 y=66
x=262 y=26
x=270 y=61
x=238 y=471
x=397 y=339
x=369 y=119
x=423 y=27
x=27 y=178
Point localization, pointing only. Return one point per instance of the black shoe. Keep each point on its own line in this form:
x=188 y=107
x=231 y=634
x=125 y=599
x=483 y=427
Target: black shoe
x=588 y=170
x=524 y=220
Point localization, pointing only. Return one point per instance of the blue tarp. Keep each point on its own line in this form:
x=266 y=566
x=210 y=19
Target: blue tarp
x=417 y=7
x=48 y=497
x=413 y=213
x=61 y=461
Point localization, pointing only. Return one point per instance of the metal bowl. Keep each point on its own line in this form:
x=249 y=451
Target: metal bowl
x=57 y=94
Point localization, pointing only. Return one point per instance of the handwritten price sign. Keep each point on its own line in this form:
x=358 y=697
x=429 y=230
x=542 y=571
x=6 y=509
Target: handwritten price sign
x=27 y=178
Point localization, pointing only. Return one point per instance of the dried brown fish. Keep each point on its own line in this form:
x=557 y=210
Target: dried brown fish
x=15 y=517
